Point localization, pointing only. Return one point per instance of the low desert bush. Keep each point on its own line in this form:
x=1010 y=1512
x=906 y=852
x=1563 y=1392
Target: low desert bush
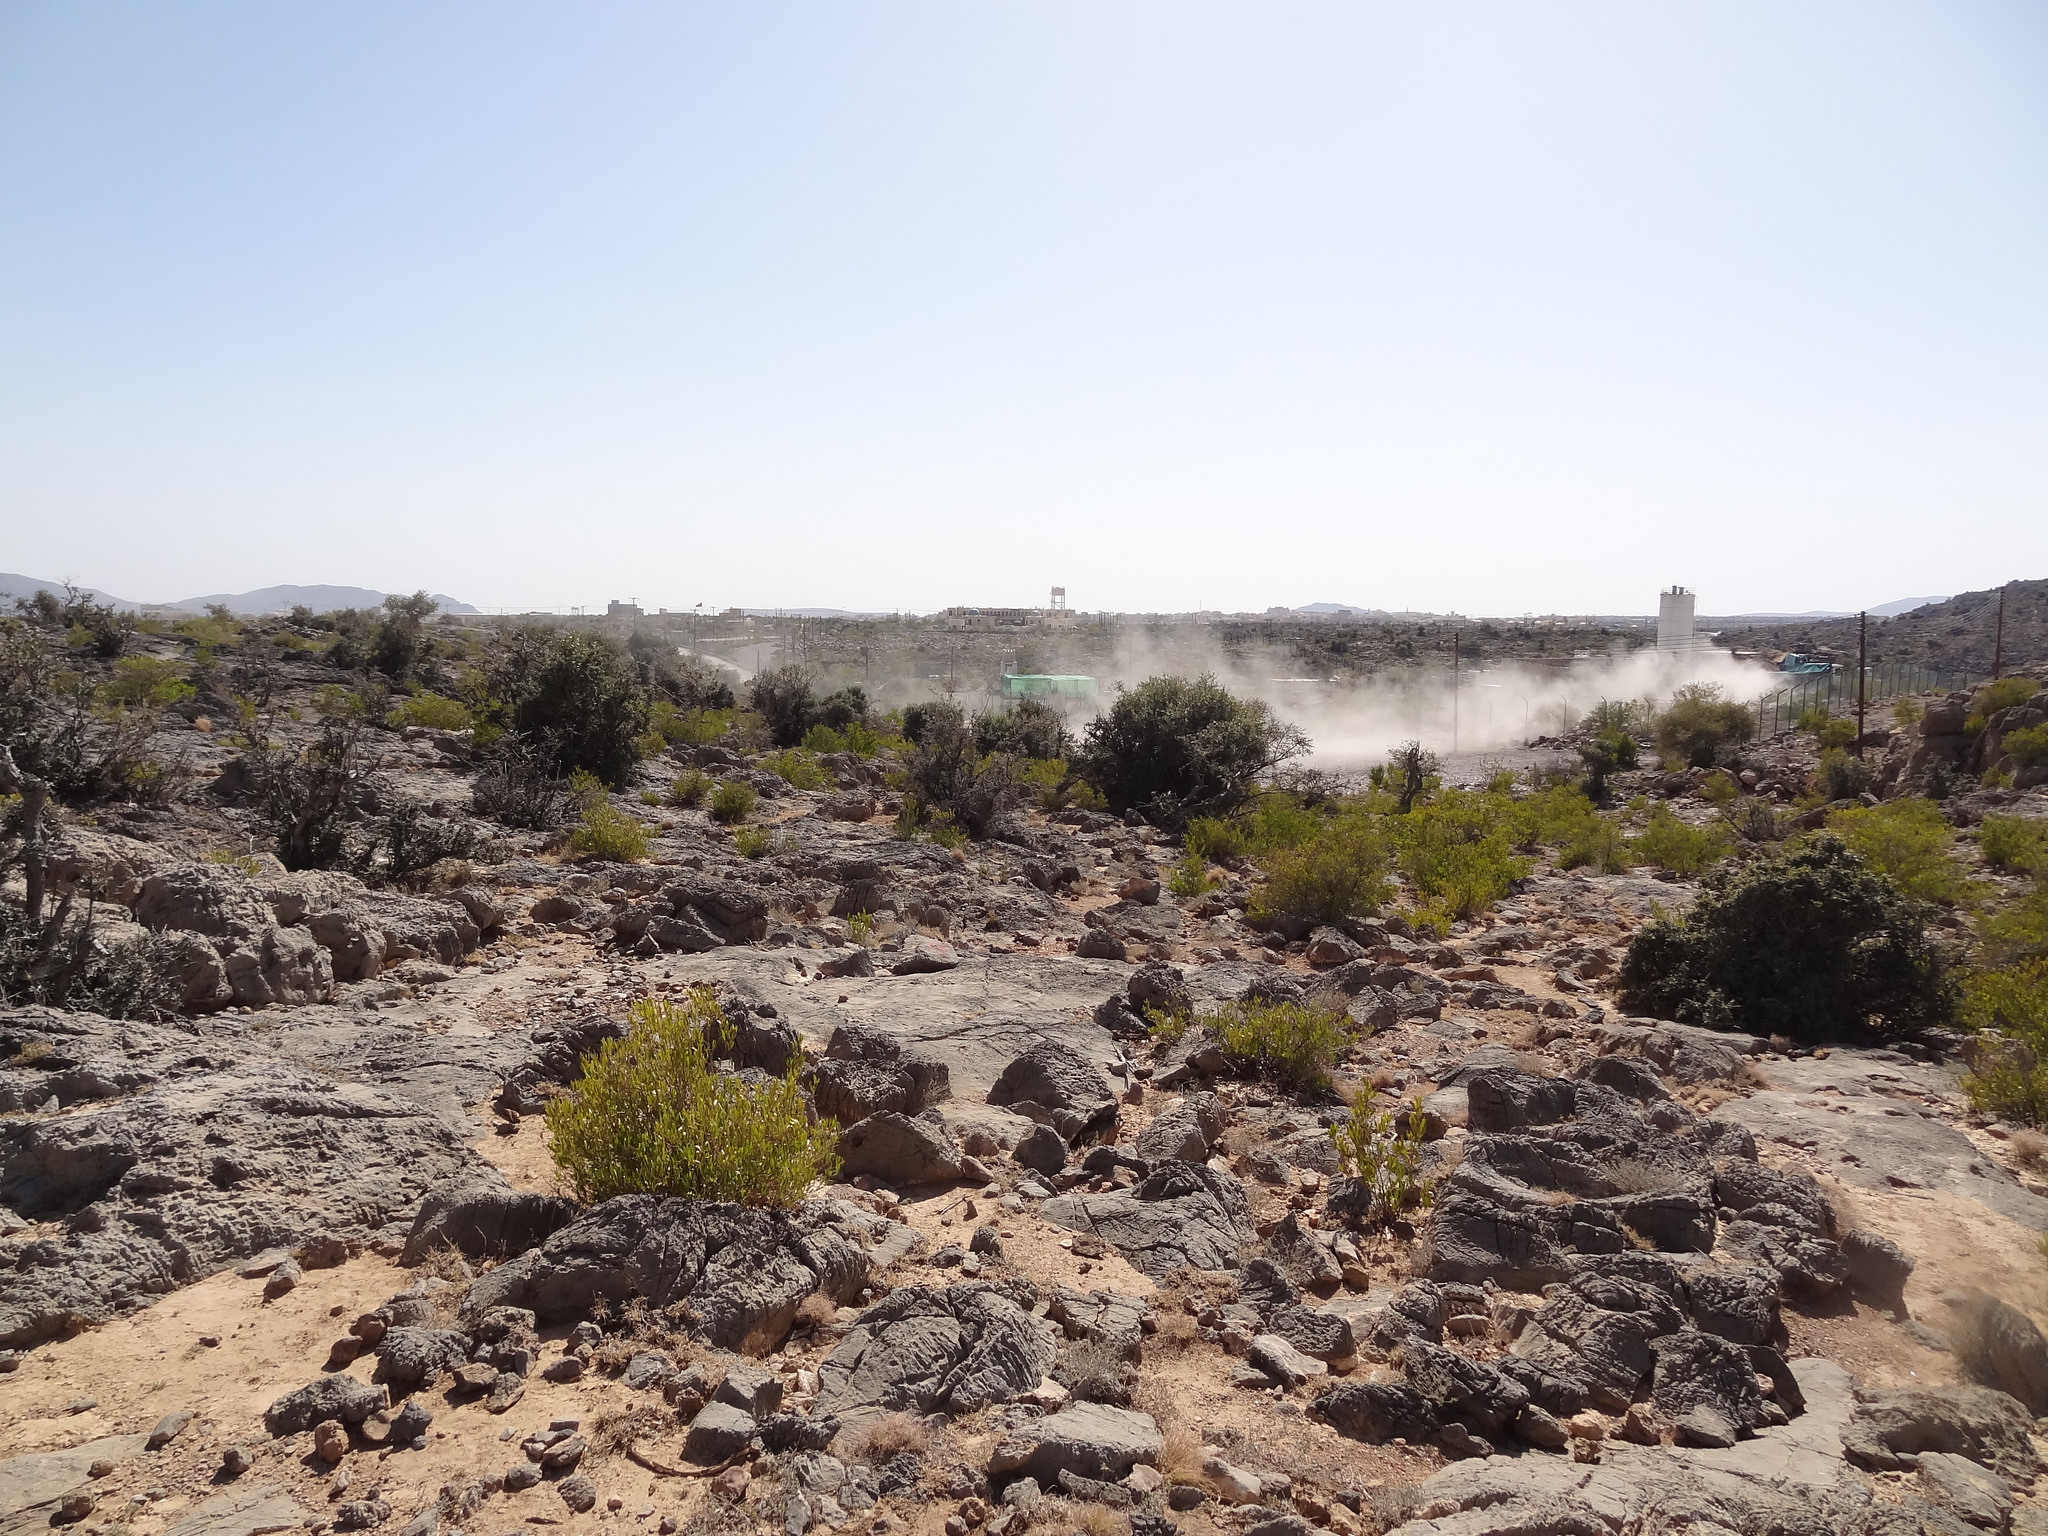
x=1212 y=839
x=2017 y=844
x=650 y=1115
x=2026 y=746
x=432 y=711
x=1608 y=753
x=1842 y=776
x=1906 y=713
x=1813 y=944
x=691 y=789
x=1291 y=1044
x=1174 y=748
x=751 y=843
x=881 y=1440
x=610 y=833
x=1457 y=851
x=2003 y=694
x=1700 y=726
x=1674 y=845
x=782 y=698
x=1907 y=840
x=1339 y=876
x=733 y=801
x=1190 y=877
x=1599 y=845
x=1383 y=1152
x=796 y=768
x=1720 y=790
x=1752 y=819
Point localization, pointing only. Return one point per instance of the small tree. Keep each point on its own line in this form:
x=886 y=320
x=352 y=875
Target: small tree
x=401 y=642
x=1813 y=944
x=1032 y=730
x=1174 y=748
x=650 y=1115
x=1701 y=725
x=581 y=697
x=1409 y=773
x=782 y=698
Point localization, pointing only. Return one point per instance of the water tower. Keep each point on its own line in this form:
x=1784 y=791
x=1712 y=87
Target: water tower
x=1674 y=620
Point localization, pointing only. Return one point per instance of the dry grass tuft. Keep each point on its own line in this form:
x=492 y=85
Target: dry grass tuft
x=1086 y=1519
x=1631 y=1176
x=2029 y=1150
x=818 y=1311
x=887 y=1437
x=1750 y=1075
x=612 y=1431
x=1180 y=1455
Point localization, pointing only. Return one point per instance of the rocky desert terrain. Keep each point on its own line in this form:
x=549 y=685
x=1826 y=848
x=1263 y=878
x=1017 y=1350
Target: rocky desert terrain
x=288 y=1249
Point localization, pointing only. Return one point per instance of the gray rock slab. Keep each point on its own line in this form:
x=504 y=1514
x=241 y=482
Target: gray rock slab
x=253 y=1510
x=29 y=1482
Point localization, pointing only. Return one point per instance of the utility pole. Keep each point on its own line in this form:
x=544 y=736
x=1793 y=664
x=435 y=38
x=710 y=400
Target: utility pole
x=1998 y=639
x=1862 y=653
x=1457 y=642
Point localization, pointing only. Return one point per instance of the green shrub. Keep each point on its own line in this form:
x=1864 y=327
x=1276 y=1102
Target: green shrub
x=650 y=797
x=1293 y=1045
x=581 y=697
x=146 y=680
x=1385 y=1155
x=795 y=767
x=609 y=833
x=1815 y=718
x=1625 y=715
x=862 y=739
x=1055 y=787
x=1599 y=845
x=861 y=928
x=1843 y=777
x=2027 y=745
x=2003 y=694
x=1908 y=841
x=849 y=706
x=1906 y=713
x=1605 y=755
x=2012 y=999
x=2017 y=844
x=1700 y=725
x=1174 y=748
x=1720 y=790
x=1673 y=845
x=751 y=842
x=694 y=728
x=1277 y=822
x=1836 y=734
x=1212 y=839
x=650 y=1115
x=1339 y=876
x=782 y=698
x=1457 y=851
x=1190 y=877
x=1031 y=729
x=691 y=789
x=732 y=801
x=822 y=738
x=1811 y=944
x=1752 y=819
x=431 y=711
x=1554 y=816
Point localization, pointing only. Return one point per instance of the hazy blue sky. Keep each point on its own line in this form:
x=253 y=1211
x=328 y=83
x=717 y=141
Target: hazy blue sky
x=1501 y=307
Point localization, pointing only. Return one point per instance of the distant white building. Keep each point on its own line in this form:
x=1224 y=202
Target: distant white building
x=1674 y=620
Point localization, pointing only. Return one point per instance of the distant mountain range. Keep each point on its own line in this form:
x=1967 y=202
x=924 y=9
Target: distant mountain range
x=321 y=599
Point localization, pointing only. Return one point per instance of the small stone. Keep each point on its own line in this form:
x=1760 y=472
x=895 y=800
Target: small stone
x=1143 y=1480
x=235 y=1460
x=955 y=1526
x=168 y=1428
x=568 y=1368
x=614 y=1503
x=1182 y=1497
x=283 y=1279
x=76 y=1506
x=732 y=1484
x=330 y=1440
x=210 y=1340
x=505 y=1391
x=101 y=1468
x=564 y=1454
x=1589 y=1426
x=521 y=1477
x=579 y=1493
x=81 y=1405
x=1585 y=1450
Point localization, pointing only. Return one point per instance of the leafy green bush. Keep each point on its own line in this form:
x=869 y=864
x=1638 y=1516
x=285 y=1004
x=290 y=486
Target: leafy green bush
x=1720 y=789
x=1608 y=753
x=518 y=786
x=146 y=680
x=2010 y=994
x=1277 y=822
x=1906 y=713
x=1212 y=839
x=1339 y=876
x=822 y=738
x=2003 y=694
x=862 y=739
x=431 y=711
x=751 y=843
x=689 y=728
x=609 y=833
x=1554 y=816
x=1813 y=944
x=732 y=801
x=1174 y=748
x=691 y=789
x=650 y=1115
x=955 y=784
x=782 y=698
x=1815 y=718
x=1843 y=777
x=849 y=706
x=1385 y=1155
x=1628 y=716
x=1673 y=845
x=1598 y=845
x=1190 y=877
x=2027 y=745
x=2014 y=843
x=1907 y=840
x=795 y=767
x=1700 y=725
x=1031 y=729
x=579 y=695
x=1836 y=734
x=1291 y=1044
x=1457 y=850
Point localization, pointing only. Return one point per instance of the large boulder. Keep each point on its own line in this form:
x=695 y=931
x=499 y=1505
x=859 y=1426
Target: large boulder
x=331 y=1397
x=1990 y=1427
x=1184 y=1214
x=1474 y=1239
x=1376 y=1412
x=739 y=1272
x=1184 y=1131
x=925 y=1350
x=1063 y=1083
x=1697 y=1371
x=480 y=1214
x=898 y=1149
x=1091 y=1440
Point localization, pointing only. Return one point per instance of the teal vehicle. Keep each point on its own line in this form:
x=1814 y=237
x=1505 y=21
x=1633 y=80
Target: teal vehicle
x=1804 y=666
x=1046 y=685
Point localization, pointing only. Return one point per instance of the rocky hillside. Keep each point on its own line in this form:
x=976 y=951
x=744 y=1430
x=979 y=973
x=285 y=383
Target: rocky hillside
x=292 y=1252
x=1957 y=634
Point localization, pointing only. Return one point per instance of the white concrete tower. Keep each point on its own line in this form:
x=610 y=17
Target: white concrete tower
x=1674 y=620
